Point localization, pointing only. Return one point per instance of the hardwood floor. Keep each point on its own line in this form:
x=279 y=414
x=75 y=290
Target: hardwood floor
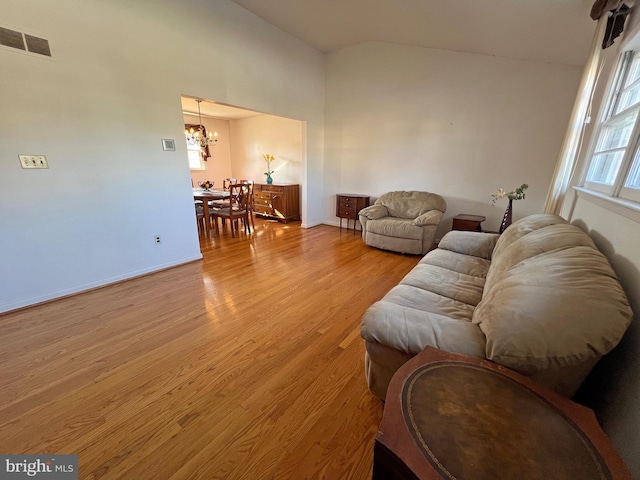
x=247 y=365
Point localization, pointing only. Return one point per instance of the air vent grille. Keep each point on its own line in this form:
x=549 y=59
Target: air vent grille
x=11 y=38
x=14 y=39
x=37 y=45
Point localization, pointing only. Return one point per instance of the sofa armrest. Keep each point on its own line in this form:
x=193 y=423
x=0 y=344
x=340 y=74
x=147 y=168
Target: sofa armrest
x=373 y=212
x=431 y=217
x=476 y=244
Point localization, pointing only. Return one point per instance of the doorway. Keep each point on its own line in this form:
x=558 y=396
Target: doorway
x=244 y=138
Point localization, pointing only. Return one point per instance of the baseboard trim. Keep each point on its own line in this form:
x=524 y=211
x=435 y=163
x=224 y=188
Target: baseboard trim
x=87 y=287
x=311 y=225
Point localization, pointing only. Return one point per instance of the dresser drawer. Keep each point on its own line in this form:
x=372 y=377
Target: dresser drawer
x=273 y=188
x=261 y=195
x=263 y=202
x=349 y=213
x=344 y=204
x=261 y=208
x=347 y=201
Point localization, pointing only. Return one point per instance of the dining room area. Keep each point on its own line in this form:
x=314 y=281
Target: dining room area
x=245 y=169
x=234 y=203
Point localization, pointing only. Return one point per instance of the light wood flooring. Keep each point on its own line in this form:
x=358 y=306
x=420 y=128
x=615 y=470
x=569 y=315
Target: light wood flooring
x=248 y=364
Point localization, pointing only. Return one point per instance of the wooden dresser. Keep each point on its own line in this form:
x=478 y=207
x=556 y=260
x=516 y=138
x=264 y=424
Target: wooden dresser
x=348 y=205
x=279 y=201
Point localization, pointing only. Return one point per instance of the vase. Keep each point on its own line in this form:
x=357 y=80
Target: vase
x=506 y=219
x=269 y=179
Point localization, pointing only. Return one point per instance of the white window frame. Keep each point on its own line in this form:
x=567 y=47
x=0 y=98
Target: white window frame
x=630 y=161
x=191 y=151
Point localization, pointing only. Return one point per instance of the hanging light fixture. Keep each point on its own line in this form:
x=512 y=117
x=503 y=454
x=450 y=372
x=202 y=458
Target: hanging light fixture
x=198 y=137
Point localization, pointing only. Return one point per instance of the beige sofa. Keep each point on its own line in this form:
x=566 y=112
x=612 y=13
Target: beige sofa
x=404 y=222
x=540 y=299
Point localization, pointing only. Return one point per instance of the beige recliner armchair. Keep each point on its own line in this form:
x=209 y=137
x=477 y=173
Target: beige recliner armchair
x=404 y=222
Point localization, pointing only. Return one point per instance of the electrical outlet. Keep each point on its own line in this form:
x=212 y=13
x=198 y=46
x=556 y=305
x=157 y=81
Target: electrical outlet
x=33 y=161
x=157 y=240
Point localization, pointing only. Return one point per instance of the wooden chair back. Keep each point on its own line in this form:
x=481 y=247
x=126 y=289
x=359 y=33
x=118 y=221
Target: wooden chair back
x=227 y=182
x=238 y=207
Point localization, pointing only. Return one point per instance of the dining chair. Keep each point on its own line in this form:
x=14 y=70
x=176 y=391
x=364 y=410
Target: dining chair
x=247 y=194
x=225 y=186
x=227 y=182
x=236 y=208
x=251 y=204
x=202 y=222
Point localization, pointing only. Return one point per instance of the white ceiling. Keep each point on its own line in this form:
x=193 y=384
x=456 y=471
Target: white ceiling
x=557 y=31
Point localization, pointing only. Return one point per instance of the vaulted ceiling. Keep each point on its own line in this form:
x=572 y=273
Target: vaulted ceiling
x=557 y=31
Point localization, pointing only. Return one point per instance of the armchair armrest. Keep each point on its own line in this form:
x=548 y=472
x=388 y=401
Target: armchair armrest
x=432 y=217
x=476 y=244
x=373 y=212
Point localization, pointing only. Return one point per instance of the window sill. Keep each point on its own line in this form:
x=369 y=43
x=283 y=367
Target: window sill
x=626 y=208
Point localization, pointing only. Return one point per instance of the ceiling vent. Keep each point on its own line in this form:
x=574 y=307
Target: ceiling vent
x=37 y=45
x=13 y=39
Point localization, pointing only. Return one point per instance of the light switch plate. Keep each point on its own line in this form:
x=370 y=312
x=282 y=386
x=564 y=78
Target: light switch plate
x=33 y=161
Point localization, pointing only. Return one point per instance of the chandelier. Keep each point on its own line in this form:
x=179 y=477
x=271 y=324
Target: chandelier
x=198 y=137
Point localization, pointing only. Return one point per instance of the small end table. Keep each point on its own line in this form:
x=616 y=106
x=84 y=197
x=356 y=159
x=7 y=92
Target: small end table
x=452 y=416
x=348 y=205
x=468 y=222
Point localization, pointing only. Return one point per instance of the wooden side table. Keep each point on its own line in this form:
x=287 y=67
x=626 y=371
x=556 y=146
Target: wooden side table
x=348 y=205
x=451 y=416
x=468 y=222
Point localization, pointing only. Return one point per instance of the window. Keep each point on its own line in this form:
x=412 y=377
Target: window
x=196 y=157
x=615 y=161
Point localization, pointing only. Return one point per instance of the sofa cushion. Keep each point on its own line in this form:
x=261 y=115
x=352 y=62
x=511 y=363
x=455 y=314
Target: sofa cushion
x=447 y=283
x=523 y=227
x=476 y=244
x=411 y=204
x=395 y=227
x=458 y=262
x=556 y=309
x=426 y=301
x=533 y=243
x=410 y=330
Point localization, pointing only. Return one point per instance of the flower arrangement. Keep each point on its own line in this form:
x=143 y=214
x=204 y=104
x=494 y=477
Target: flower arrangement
x=268 y=158
x=207 y=184
x=517 y=194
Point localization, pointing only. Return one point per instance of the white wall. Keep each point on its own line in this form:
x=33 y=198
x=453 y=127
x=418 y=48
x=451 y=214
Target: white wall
x=613 y=388
x=252 y=137
x=98 y=110
x=458 y=124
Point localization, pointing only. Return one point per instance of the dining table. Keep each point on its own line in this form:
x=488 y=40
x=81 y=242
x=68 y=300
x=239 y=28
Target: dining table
x=207 y=196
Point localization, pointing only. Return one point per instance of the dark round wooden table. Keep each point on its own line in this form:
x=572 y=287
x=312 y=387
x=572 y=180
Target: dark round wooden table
x=455 y=417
